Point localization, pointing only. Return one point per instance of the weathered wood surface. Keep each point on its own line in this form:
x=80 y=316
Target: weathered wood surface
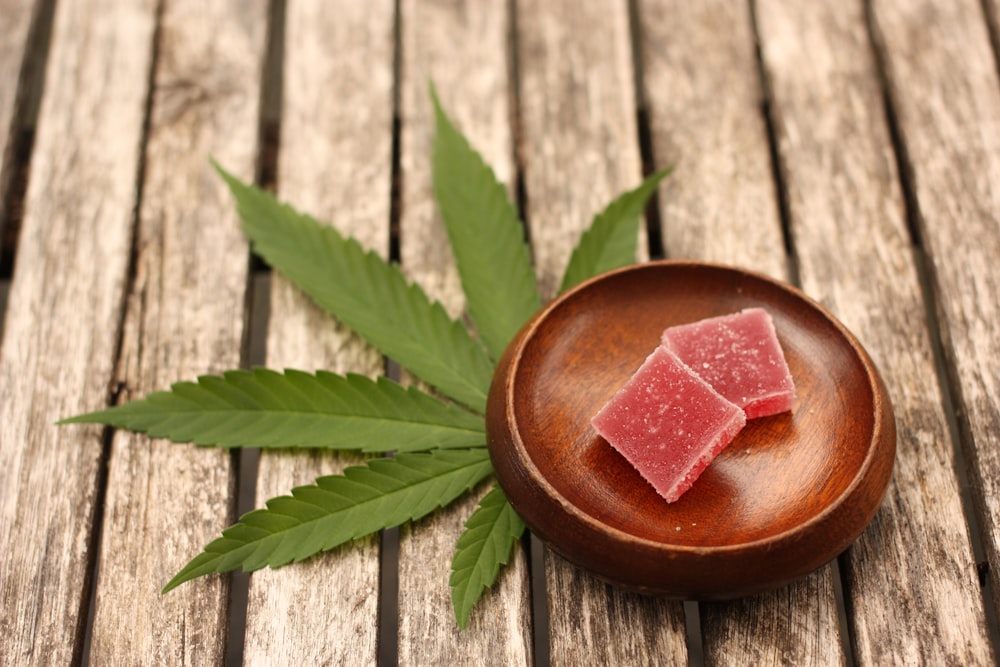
x=844 y=193
x=14 y=32
x=462 y=47
x=580 y=144
x=62 y=321
x=131 y=273
x=184 y=317
x=580 y=148
x=335 y=162
x=721 y=204
x=944 y=90
x=15 y=52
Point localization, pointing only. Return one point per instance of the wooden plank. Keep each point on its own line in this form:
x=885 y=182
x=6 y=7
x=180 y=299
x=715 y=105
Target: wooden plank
x=15 y=51
x=335 y=162
x=185 y=317
x=61 y=327
x=911 y=577
x=578 y=111
x=946 y=97
x=721 y=205
x=463 y=47
x=580 y=149
x=592 y=620
x=793 y=625
x=14 y=32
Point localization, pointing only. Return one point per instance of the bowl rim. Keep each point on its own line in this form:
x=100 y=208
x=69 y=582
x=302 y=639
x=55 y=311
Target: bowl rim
x=876 y=386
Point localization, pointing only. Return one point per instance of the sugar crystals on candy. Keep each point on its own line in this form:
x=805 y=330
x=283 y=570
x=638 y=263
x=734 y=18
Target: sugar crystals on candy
x=693 y=395
x=668 y=423
x=740 y=356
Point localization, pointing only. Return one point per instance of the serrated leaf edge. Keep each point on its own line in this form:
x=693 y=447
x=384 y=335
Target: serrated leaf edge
x=408 y=500
x=490 y=533
x=222 y=406
x=424 y=338
x=486 y=236
x=598 y=238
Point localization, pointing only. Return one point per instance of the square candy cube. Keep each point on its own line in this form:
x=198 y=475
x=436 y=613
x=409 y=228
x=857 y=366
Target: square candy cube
x=739 y=355
x=668 y=423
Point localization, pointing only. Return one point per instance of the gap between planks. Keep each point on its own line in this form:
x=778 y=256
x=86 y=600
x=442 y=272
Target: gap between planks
x=258 y=332
x=777 y=176
x=15 y=164
x=948 y=381
x=388 y=609
x=89 y=603
x=254 y=352
x=792 y=260
x=654 y=230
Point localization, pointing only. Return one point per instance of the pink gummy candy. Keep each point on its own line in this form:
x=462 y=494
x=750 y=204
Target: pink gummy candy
x=668 y=423
x=739 y=355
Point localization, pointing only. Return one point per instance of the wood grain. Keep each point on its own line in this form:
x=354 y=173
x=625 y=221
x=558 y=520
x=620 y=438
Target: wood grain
x=791 y=625
x=580 y=149
x=131 y=273
x=591 y=622
x=462 y=46
x=843 y=192
x=947 y=105
x=61 y=327
x=15 y=51
x=720 y=204
x=14 y=33
x=184 y=317
x=577 y=106
x=335 y=163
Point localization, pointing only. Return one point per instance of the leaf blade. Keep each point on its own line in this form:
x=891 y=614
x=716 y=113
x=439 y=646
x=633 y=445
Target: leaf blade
x=610 y=241
x=366 y=293
x=264 y=408
x=482 y=550
x=338 y=508
x=486 y=236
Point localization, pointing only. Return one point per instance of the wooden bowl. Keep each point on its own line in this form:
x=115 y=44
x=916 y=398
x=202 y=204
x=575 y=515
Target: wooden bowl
x=786 y=496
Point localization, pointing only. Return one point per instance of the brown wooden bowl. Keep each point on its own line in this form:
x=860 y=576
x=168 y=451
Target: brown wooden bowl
x=786 y=496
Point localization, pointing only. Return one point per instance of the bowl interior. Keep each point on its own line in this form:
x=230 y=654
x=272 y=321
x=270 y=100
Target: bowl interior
x=778 y=473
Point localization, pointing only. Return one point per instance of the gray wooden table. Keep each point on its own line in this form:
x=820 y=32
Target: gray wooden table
x=852 y=149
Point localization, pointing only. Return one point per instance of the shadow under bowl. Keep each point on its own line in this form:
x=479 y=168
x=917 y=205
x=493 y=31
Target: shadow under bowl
x=786 y=496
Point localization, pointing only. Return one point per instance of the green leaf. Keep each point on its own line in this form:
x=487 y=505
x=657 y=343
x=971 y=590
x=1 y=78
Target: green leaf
x=338 y=508
x=610 y=240
x=367 y=294
x=485 y=546
x=486 y=235
x=264 y=408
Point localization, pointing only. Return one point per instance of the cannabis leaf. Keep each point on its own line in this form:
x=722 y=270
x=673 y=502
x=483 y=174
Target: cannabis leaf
x=487 y=238
x=366 y=293
x=484 y=547
x=264 y=408
x=338 y=508
x=609 y=242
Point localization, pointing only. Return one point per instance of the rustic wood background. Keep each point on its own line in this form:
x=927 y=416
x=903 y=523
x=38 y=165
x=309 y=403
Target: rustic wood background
x=851 y=148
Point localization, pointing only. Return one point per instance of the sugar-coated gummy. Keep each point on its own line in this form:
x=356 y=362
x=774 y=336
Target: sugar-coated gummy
x=740 y=356
x=668 y=423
